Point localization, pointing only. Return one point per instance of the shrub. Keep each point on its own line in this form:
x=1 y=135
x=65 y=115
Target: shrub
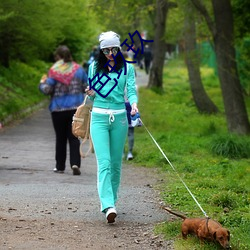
x=223 y=200
x=231 y=146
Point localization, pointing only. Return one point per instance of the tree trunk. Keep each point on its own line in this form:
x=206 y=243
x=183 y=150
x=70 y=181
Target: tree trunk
x=201 y=99
x=233 y=97
x=223 y=38
x=159 y=48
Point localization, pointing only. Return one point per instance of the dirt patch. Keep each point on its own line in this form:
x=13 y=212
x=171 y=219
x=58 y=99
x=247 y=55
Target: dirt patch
x=51 y=234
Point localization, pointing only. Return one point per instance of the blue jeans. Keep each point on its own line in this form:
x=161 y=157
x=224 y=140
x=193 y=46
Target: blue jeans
x=108 y=139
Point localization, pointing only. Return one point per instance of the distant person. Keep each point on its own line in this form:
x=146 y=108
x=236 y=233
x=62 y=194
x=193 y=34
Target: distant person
x=130 y=127
x=65 y=84
x=130 y=133
x=130 y=53
x=93 y=55
x=85 y=66
x=147 y=58
x=139 y=58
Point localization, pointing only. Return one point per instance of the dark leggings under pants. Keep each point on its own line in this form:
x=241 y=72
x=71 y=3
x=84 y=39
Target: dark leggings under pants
x=130 y=139
x=62 y=122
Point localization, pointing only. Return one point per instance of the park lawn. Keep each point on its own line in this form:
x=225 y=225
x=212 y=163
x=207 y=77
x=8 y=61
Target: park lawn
x=220 y=183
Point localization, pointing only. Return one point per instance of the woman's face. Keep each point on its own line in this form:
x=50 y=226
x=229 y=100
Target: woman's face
x=108 y=52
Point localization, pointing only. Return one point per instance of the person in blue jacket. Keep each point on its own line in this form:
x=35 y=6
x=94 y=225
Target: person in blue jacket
x=65 y=83
x=109 y=124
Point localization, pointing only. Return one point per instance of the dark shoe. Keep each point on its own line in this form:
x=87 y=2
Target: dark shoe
x=111 y=214
x=58 y=171
x=76 y=170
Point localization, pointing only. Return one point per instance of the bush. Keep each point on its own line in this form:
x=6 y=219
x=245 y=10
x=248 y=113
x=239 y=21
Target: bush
x=231 y=146
x=19 y=88
x=224 y=200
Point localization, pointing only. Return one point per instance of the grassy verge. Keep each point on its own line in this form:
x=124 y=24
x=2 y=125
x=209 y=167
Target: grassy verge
x=212 y=163
x=19 y=88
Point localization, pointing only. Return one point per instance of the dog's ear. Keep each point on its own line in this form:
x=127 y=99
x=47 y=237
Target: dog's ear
x=228 y=237
x=214 y=235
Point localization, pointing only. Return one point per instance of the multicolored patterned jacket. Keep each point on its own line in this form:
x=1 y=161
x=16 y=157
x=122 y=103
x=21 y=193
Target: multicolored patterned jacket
x=65 y=84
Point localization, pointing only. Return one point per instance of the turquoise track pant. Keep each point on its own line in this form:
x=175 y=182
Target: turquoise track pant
x=108 y=138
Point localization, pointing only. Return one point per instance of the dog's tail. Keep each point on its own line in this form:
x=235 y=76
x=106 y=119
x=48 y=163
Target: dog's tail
x=175 y=213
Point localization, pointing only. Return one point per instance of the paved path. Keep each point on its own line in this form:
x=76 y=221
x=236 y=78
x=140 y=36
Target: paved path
x=26 y=163
x=27 y=160
x=141 y=78
x=31 y=191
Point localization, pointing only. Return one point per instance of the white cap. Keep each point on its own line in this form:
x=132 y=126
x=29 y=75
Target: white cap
x=109 y=39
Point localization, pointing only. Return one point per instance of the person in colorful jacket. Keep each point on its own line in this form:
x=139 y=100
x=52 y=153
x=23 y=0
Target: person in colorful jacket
x=65 y=83
x=109 y=124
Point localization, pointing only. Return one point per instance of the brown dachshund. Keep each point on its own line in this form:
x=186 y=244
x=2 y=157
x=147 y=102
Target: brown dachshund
x=204 y=229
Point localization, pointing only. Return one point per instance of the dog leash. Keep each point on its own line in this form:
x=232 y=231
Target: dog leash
x=174 y=170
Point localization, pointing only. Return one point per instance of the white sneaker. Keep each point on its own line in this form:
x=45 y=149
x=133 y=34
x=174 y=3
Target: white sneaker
x=58 y=171
x=111 y=214
x=130 y=156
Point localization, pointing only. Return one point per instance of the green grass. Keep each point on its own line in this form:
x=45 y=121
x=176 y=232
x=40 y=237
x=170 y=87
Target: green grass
x=19 y=88
x=214 y=164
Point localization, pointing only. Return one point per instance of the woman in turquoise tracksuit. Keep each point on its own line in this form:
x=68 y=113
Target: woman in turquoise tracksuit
x=109 y=123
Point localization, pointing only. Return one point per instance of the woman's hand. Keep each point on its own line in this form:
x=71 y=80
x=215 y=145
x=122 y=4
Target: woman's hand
x=43 y=79
x=90 y=92
x=134 y=109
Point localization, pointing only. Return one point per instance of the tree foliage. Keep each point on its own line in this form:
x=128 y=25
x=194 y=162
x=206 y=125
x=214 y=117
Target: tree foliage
x=241 y=18
x=32 y=32
x=175 y=25
x=125 y=17
x=242 y=34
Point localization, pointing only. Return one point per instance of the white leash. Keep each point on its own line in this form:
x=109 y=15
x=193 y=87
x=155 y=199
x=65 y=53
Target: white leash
x=174 y=169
